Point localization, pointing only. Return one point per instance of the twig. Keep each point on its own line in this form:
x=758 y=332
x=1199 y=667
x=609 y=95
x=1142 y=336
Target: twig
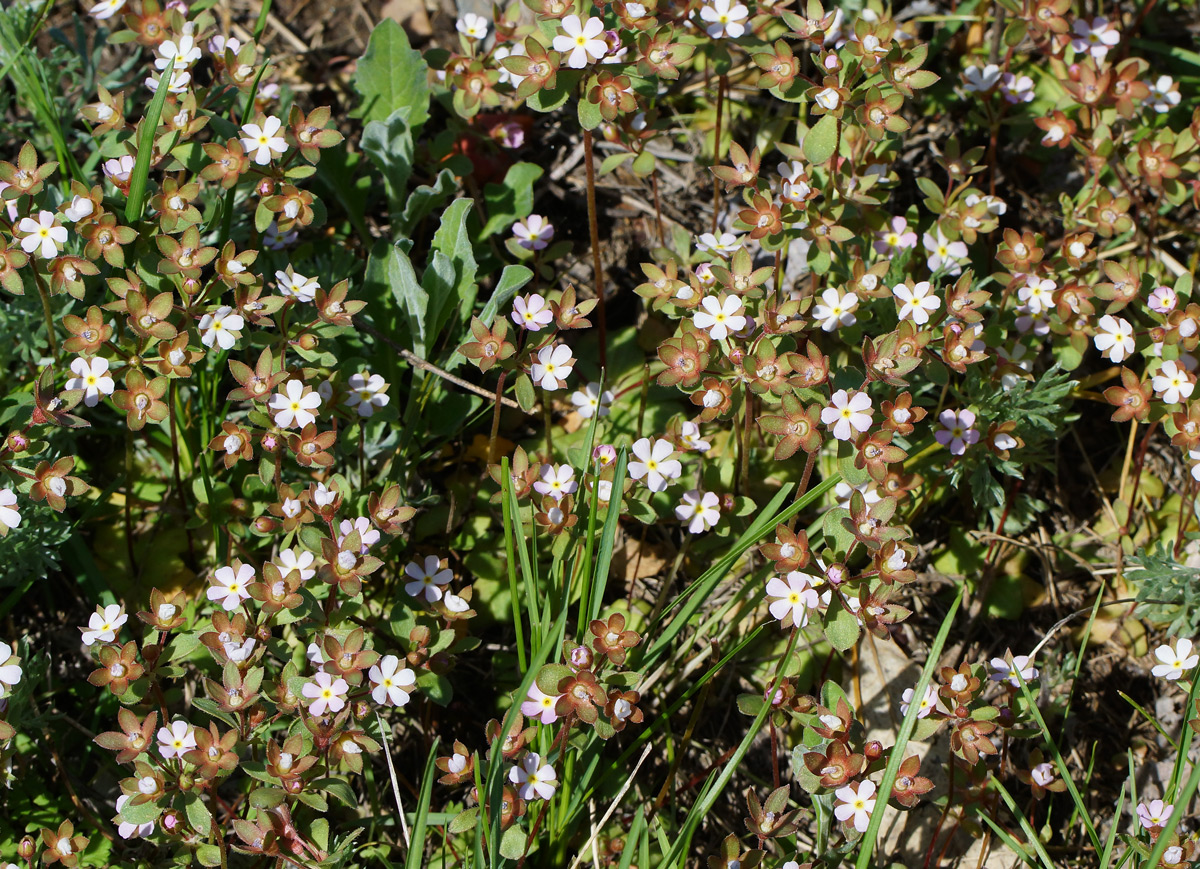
x=392 y=774
x=414 y=359
x=613 y=807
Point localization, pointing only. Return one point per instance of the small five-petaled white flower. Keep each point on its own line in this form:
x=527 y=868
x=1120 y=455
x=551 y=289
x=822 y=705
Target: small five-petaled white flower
x=472 y=26
x=1114 y=337
x=589 y=401
x=724 y=18
x=720 y=318
x=393 y=684
x=1014 y=670
x=792 y=597
x=701 y=510
x=534 y=780
x=104 y=624
x=534 y=232
x=847 y=414
x=540 y=705
x=367 y=393
x=220 y=327
x=580 y=41
x=91 y=375
x=427 y=579
x=230 y=587
x=556 y=481
x=917 y=301
x=43 y=235
x=176 y=739
x=1174 y=662
x=855 y=805
x=835 y=310
x=531 y=312
x=654 y=462
x=294 y=407
x=553 y=365
x=262 y=141
x=326 y=693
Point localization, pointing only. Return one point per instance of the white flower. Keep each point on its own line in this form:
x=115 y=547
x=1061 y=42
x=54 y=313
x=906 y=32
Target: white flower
x=1095 y=38
x=980 y=79
x=43 y=235
x=125 y=829
x=176 y=84
x=699 y=509
x=654 y=463
x=581 y=40
x=944 y=253
x=828 y=99
x=263 y=142
x=118 y=169
x=325 y=692
x=533 y=779
x=219 y=327
x=723 y=19
x=856 y=805
x=847 y=414
x=390 y=681
x=835 y=310
x=843 y=492
x=534 y=232
x=792 y=596
x=10 y=671
x=296 y=286
x=590 y=401
x=104 y=624
x=689 y=438
x=9 y=516
x=540 y=705
x=1175 y=661
x=367 y=392
x=427 y=579
x=472 y=26
x=92 y=377
x=1163 y=300
x=1172 y=383
x=1016 y=88
x=928 y=701
x=367 y=535
x=176 y=739
x=1163 y=96
x=553 y=365
x=726 y=243
x=531 y=312
x=231 y=588
x=302 y=562
x=958 y=430
x=79 y=208
x=177 y=55
x=1007 y=671
x=1037 y=293
x=106 y=9
x=556 y=481
x=1042 y=774
x=918 y=302
x=720 y=318
x=1114 y=337
x=293 y=407
x=1154 y=814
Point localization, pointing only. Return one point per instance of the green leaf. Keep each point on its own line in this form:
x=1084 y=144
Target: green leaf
x=142 y=813
x=416 y=851
x=457 y=265
x=821 y=140
x=395 y=271
x=389 y=144
x=644 y=165
x=589 y=114
x=512 y=845
x=526 y=397
x=549 y=100
x=197 y=813
x=463 y=821
x=551 y=676
x=145 y=152
x=612 y=161
x=841 y=627
x=423 y=200
x=336 y=787
x=208 y=855
x=511 y=200
x=436 y=687
x=392 y=75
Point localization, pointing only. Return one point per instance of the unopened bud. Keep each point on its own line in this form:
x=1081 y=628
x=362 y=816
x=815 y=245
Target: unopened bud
x=307 y=341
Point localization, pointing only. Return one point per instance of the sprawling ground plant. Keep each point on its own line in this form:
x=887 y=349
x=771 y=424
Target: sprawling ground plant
x=609 y=423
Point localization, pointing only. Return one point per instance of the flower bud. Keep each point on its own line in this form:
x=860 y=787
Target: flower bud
x=16 y=442
x=26 y=848
x=265 y=524
x=186 y=781
x=873 y=750
x=307 y=341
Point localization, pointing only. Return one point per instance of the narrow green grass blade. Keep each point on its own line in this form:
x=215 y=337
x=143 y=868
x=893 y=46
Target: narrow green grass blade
x=637 y=831
x=416 y=850
x=1013 y=844
x=1061 y=764
x=145 y=151
x=1038 y=847
x=1106 y=856
x=1181 y=802
x=607 y=539
x=510 y=551
x=867 y=846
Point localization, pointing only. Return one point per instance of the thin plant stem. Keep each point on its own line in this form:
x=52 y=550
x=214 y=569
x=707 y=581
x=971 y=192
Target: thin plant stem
x=594 y=231
x=717 y=152
x=496 y=418
x=549 y=421
x=46 y=313
x=129 y=502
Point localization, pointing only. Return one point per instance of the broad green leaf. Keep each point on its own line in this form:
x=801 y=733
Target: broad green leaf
x=841 y=627
x=512 y=845
x=198 y=814
x=389 y=144
x=547 y=100
x=145 y=152
x=423 y=200
x=392 y=75
x=393 y=269
x=457 y=265
x=511 y=200
x=820 y=141
x=589 y=114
